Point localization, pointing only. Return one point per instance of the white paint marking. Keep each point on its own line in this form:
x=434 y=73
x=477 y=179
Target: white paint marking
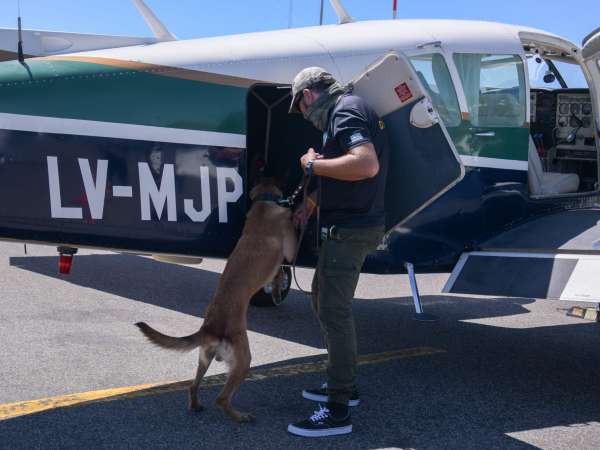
x=41 y=124
x=188 y=205
x=225 y=196
x=150 y=192
x=122 y=191
x=78 y=127
x=94 y=192
x=57 y=211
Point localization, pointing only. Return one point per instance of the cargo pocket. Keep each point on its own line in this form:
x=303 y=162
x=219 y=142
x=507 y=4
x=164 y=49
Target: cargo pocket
x=342 y=257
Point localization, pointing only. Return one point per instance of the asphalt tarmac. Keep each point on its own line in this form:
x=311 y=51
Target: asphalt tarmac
x=75 y=373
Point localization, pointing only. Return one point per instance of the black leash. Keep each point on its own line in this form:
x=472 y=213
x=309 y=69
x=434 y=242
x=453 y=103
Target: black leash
x=291 y=200
x=304 y=225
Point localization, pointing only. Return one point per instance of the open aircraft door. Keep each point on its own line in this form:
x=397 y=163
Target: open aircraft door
x=591 y=57
x=423 y=162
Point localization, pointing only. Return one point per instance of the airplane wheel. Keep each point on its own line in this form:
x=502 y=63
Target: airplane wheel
x=263 y=298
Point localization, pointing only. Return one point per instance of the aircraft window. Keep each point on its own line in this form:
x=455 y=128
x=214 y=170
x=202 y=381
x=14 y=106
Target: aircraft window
x=571 y=73
x=494 y=87
x=433 y=73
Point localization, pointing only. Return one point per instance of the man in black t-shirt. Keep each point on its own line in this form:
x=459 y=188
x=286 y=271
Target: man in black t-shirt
x=352 y=166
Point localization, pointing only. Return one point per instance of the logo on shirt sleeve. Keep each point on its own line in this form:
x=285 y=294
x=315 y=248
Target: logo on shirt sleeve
x=356 y=137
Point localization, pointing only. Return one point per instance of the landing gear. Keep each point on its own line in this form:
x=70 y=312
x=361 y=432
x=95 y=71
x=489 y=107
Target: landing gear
x=266 y=297
x=420 y=315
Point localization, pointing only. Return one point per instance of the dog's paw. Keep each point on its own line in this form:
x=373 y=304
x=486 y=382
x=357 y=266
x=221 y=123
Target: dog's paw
x=196 y=408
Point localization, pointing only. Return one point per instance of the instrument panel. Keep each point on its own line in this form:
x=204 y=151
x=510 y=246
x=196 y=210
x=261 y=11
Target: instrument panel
x=543 y=109
x=562 y=123
x=574 y=111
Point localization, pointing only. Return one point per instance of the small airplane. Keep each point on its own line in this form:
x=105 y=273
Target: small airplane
x=150 y=145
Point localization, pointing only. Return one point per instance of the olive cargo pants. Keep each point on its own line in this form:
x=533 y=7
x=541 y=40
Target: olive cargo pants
x=340 y=260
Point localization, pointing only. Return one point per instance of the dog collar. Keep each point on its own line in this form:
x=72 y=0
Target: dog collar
x=267 y=197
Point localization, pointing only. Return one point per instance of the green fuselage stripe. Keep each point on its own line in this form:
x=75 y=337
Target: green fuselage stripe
x=90 y=91
x=109 y=93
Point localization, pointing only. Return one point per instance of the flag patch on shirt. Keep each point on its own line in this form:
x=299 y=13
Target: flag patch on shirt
x=356 y=137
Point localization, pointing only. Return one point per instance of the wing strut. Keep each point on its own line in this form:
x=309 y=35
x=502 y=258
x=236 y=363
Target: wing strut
x=157 y=27
x=341 y=12
x=21 y=57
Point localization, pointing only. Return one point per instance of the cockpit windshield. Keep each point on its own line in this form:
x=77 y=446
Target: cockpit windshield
x=541 y=75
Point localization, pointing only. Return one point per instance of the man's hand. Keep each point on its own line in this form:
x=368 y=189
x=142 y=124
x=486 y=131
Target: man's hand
x=309 y=156
x=359 y=163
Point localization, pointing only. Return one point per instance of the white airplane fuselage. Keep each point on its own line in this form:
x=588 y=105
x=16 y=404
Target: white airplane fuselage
x=147 y=147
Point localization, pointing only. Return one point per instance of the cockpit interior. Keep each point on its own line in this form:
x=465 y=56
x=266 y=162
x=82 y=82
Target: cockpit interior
x=563 y=157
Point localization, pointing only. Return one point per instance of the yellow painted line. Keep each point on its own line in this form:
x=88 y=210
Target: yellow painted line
x=11 y=410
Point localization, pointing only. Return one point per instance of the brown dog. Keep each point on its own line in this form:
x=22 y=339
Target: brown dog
x=267 y=238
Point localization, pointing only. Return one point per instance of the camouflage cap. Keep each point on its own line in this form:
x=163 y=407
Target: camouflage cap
x=304 y=80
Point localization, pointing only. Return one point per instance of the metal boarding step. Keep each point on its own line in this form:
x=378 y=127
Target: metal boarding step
x=545 y=274
x=556 y=256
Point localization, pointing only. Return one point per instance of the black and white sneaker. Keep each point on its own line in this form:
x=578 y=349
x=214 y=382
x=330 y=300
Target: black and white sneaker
x=320 y=395
x=322 y=423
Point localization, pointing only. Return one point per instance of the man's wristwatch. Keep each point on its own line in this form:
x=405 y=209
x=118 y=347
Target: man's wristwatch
x=309 y=167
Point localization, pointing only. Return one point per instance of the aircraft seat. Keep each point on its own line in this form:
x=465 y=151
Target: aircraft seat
x=545 y=183
x=499 y=109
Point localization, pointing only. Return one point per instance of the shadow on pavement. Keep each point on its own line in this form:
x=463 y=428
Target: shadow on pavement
x=437 y=401
x=189 y=290
x=490 y=381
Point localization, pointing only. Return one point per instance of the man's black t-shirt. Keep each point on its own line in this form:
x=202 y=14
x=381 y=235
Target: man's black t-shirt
x=354 y=203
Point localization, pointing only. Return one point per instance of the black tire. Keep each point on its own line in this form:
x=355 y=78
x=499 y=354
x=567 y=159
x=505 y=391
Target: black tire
x=263 y=298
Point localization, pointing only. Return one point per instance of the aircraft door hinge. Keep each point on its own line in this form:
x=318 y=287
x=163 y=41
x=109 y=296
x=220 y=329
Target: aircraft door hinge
x=437 y=44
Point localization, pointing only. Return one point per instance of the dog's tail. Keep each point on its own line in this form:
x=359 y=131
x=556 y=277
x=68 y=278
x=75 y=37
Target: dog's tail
x=182 y=344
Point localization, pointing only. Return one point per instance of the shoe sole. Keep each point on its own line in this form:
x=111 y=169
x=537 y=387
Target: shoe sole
x=323 y=398
x=319 y=433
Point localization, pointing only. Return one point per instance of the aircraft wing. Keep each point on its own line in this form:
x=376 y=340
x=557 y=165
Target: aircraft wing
x=556 y=256
x=46 y=43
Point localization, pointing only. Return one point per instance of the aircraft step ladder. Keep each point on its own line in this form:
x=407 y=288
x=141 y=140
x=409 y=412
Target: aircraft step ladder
x=572 y=275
